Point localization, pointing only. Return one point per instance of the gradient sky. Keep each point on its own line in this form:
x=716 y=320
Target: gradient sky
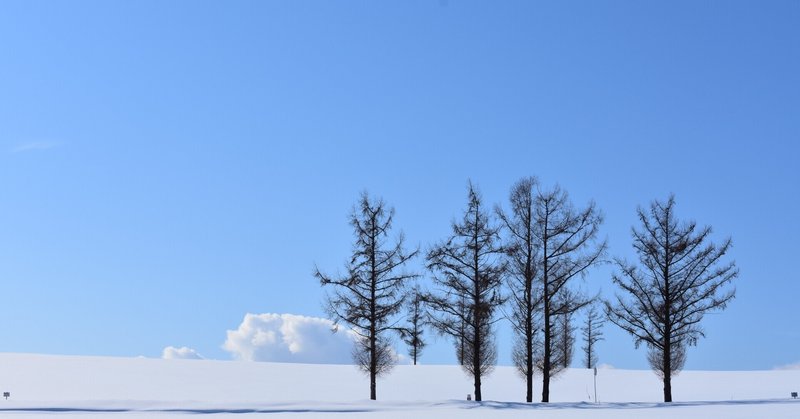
x=167 y=167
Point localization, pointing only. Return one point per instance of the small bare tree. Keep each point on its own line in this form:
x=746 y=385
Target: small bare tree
x=569 y=302
x=468 y=273
x=371 y=294
x=679 y=279
x=592 y=332
x=415 y=322
x=563 y=341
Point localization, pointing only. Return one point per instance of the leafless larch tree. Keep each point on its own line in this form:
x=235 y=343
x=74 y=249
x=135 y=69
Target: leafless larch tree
x=525 y=291
x=564 y=329
x=414 y=329
x=468 y=271
x=567 y=239
x=368 y=298
x=592 y=332
x=679 y=278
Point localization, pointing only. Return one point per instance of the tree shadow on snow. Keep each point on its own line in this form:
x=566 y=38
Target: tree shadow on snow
x=186 y=411
x=359 y=408
x=617 y=405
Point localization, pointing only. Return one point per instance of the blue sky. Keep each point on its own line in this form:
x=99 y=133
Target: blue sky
x=168 y=167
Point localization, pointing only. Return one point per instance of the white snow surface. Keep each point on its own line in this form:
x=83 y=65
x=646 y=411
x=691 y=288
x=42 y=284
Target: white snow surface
x=98 y=387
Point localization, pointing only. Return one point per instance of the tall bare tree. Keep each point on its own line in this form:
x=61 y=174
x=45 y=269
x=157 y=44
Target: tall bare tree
x=679 y=279
x=415 y=322
x=368 y=298
x=592 y=332
x=468 y=272
x=525 y=291
x=567 y=238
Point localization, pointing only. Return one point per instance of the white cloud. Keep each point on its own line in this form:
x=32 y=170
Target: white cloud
x=290 y=338
x=171 y=352
x=34 y=146
x=795 y=366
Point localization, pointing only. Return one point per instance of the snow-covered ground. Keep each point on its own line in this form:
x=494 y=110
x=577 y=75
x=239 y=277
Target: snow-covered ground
x=95 y=387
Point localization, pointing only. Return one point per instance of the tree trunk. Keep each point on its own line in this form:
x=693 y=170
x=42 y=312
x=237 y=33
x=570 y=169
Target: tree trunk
x=476 y=364
x=546 y=300
x=667 y=371
x=373 y=363
x=589 y=359
x=373 y=366
x=372 y=386
x=529 y=393
x=667 y=326
x=477 y=318
x=373 y=356
x=478 y=396
x=546 y=366
x=476 y=354
x=529 y=364
x=528 y=344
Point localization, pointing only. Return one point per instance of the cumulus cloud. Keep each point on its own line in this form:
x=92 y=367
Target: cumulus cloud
x=171 y=352
x=290 y=338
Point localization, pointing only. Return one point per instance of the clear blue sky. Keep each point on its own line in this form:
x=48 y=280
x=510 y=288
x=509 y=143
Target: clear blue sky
x=167 y=167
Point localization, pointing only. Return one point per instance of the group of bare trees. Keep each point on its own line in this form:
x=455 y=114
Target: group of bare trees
x=523 y=264
x=550 y=243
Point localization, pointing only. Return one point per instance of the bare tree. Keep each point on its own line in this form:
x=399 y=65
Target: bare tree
x=567 y=239
x=371 y=294
x=564 y=331
x=468 y=273
x=412 y=333
x=525 y=297
x=679 y=279
x=592 y=332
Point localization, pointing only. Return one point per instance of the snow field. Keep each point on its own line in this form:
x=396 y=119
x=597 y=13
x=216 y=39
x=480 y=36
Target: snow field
x=95 y=387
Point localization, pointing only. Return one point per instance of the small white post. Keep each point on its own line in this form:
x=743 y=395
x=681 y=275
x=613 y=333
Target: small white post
x=595 y=384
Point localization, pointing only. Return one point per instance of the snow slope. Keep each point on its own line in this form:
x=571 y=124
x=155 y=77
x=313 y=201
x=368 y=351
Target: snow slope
x=93 y=387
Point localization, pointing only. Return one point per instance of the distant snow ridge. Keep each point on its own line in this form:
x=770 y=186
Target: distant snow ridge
x=273 y=337
x=171 y=352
